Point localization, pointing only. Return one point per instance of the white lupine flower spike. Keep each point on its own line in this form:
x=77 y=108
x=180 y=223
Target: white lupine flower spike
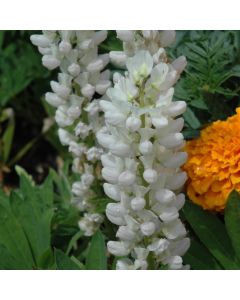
x=82 y=74
x=139 y=138
x=143 y=143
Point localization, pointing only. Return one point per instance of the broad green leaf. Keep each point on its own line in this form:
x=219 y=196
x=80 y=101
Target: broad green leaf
x=199 y=258
x=9 y=262
x=47 y=260
x=96 y=257
x=212 y=234
x=232 y=220
x=64 y=262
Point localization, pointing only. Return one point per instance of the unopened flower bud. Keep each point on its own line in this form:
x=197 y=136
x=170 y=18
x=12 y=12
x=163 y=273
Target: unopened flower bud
x=126 y=234
x=50 y=62
x=138 y=203
x=61 y=90
x=74 y=69
x=65 y=47
x=172 y=140
x=150 y=176
x=133 y=123
x=176 y=181
x=54 y=99
x=40 y=40
x=110 y=174
x=64 y=136
x=148 y=228
x=120 y=149
x=146 y=147
x=118 y=248
x=118 y=58
x=125 y=35
x=126 y=178
x=112 y=191
x=88 y=90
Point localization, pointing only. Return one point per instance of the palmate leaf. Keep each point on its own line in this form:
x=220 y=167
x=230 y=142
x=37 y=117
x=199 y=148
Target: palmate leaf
x=232 y=220
x=212 y=233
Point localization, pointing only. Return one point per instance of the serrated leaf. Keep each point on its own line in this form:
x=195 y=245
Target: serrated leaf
x=96 y=257
x=34 y=214
x=22 y=172
x=212 y=233
x=13 y=238
x=232 y=220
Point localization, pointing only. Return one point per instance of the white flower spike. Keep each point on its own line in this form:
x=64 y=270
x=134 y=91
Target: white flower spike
x=143 y=143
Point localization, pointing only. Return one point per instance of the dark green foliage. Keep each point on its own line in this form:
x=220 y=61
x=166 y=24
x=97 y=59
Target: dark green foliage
x=28 y=218
x=210 y=84
x=20 y=64
x=232 y=220
x=96 y=257
x=217 y=244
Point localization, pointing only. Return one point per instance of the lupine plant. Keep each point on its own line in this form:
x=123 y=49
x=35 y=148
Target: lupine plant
x=139 y=133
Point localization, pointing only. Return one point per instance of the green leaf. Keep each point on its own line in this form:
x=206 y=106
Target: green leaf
x=73 y=242
x=8 y=261
x=22 y=172
x=47 y=260
x=34 y=214
x=212 y=233
x=13 y=238
x=232 y=220
x=96 y=257
x=191 y=119
x=63 y=262
x=199 y=103
x=199 y=258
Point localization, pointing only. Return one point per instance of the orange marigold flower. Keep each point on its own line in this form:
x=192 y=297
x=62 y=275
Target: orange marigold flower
x=213 y=164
